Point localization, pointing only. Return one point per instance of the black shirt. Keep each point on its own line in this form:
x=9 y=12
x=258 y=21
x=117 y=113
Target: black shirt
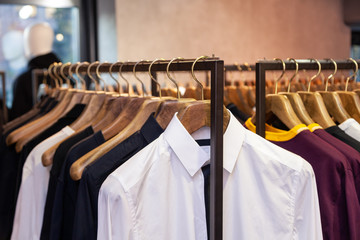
x=95 y=174
x=242 y=117
x=58 y=160
x=9 y=164
x=341 y=135
x=63 y=211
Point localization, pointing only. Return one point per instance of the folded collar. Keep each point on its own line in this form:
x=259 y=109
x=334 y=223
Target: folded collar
x=192 y=156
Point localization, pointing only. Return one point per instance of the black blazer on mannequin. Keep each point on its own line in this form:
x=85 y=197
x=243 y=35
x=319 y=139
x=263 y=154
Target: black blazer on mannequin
x=22 y=87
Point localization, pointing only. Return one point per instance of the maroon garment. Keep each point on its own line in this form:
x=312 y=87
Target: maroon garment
x=339 y=205
x=350 y=153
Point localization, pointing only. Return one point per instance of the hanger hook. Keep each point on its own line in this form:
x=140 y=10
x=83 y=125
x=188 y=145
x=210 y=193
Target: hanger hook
x=353 y=75
x=282 y=74
x=97 y=87
x=194 y=77
x=152 y=77
x=239 y=68
x=247 y=65
x=172 y=79
x=112 y=76
x=63 y=74
x=127 y=82
x=79 y=64
x=99 y=76
x=134 y=72
x=52 y=76
x=296 y=72
x=317 y=74
x=70 y=74
x=55 y=69
x=331 y=75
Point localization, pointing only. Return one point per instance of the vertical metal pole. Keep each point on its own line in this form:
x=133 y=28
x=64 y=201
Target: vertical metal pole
x=4 y=96
x=260 y=99
x=216 y=167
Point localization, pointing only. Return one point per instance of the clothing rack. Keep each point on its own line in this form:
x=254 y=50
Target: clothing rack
x=5 y=112
x=216 y=68
x=37 y=75
x=268 y=65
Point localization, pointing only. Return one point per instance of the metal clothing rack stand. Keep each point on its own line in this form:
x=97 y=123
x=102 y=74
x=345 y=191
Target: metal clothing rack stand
x=216 y=68
x=269 y=65
x=5 y=112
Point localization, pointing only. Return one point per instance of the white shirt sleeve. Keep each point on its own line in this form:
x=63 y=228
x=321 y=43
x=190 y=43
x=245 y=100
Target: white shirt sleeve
x=307 y=221
x=31 y=200
x=114 y=212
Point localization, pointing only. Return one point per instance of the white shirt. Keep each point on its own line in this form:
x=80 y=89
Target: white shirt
x=34 y=185
x=351 y=127
x=269 y=193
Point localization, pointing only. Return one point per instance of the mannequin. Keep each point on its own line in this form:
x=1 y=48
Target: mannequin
x=38 y=41
x=13 y=49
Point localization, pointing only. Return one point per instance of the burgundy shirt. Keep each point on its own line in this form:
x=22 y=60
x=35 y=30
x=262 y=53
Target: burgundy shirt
x=339 y=205
x=352 y=156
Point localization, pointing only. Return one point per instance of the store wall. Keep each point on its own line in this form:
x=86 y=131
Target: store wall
x=234 y=30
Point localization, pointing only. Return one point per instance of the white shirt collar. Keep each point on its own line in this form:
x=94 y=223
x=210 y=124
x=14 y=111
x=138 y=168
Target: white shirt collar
x=192 y=156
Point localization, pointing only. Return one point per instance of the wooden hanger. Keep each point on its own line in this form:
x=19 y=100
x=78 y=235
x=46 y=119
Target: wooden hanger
x=167 y=109
x=198 y=114
x=280 y=106
x=333 y=102
x=238 y=97
x=76 y=97
x=134 y=118
x=315 y=105
x=295 y=100
x=351 y=100
x=25 y=132
x=111 y=108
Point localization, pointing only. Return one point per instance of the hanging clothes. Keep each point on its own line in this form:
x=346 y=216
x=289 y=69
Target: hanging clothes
x=159 y=192
x=339 y=205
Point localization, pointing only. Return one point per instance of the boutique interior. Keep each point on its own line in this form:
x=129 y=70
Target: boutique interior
x=179 y=119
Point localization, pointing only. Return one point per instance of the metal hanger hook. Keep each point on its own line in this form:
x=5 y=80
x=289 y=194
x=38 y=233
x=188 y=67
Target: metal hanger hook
x=134 y=72
x=296 y=72
x=127 y=82
x=152 y=77
x=194 y=77
x=97 y=87
x=55 y=69
x=112 y=76
x=99 y=76
x=353 y=75
x=63 y=74
x=282 y=74
x=172 y=79
x=52 y=76
x=331 y=75
x=78 y=75
x=70 y=74
x=317 y=74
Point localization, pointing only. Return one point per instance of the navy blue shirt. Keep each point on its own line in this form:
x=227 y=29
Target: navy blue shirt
x=95 y=174
x=58 y=160
x=63 y=211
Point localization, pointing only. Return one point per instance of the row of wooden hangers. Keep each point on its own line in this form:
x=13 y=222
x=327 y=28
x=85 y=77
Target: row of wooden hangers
x=327 y=108
x=117 y=115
